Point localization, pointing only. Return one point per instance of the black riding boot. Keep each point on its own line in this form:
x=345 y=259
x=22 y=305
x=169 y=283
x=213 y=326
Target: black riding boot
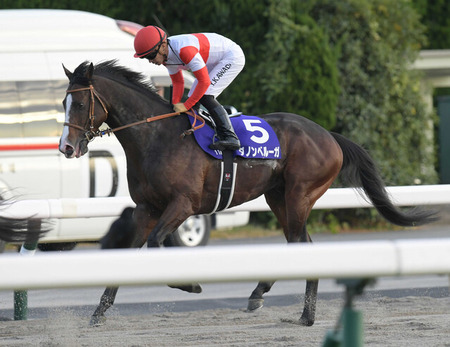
x=226 y=137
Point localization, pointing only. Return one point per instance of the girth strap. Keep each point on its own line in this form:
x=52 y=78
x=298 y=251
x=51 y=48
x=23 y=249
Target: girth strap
x=228 y=170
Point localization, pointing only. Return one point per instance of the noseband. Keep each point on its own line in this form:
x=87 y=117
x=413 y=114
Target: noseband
x=90 y=133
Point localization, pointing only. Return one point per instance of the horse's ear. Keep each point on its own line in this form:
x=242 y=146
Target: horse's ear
x=67 y=72
x=90 y=71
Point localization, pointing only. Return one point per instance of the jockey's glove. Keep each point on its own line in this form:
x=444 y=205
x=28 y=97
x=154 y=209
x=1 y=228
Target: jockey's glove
x=179 y=107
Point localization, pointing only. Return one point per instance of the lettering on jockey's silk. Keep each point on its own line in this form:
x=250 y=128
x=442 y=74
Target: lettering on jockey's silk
x=222 y=72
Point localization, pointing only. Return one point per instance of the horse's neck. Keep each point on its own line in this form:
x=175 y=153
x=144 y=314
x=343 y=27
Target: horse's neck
x=134 y=108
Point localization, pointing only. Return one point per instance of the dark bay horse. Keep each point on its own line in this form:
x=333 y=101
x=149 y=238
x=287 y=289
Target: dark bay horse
x=171 y=178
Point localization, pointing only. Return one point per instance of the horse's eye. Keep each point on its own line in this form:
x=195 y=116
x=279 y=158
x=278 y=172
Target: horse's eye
x=78 y=105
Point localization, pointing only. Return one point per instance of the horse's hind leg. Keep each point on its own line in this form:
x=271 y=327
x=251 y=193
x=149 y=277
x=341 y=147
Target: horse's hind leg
x=293 y=221
x=256 y=300
x=309 y=311
x=312 y=286
x=275 y=199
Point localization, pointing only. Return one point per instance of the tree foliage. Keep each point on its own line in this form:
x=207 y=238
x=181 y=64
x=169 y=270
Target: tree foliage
x=380 y=105
x=435 y=15
x=344 y=64
x=299 y=72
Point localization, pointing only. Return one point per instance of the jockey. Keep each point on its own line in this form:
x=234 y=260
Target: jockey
x=215 y=62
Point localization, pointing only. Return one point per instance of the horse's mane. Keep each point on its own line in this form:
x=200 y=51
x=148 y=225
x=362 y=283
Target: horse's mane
x=112 y=70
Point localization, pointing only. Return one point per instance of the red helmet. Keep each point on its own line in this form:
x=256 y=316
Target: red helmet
x=147 y=39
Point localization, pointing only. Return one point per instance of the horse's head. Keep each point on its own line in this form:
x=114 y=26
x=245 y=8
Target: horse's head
x=85 y=112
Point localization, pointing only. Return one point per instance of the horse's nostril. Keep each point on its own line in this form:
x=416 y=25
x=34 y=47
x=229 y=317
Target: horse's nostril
x=68 y=151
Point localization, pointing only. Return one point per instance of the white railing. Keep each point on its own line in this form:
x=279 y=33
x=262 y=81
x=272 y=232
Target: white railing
x=212 y=264
x=336 y=198
x=332 y=199
x=224 y=264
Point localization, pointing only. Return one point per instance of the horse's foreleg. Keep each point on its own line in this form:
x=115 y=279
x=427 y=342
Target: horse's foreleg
x=173 y=216
x=106 y=301
x=124 y=233
x=256 y=301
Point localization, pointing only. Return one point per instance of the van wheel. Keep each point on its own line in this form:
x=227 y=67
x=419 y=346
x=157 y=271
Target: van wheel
x=62 y=246
x=193 y=232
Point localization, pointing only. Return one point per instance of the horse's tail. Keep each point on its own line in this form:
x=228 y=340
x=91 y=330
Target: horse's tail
x=359 y=169
x=20 y=229
x=17 y=230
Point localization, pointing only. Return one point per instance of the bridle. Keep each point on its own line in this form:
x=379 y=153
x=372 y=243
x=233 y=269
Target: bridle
x=90 y=133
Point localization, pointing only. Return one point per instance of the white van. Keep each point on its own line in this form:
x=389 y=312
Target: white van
x=34 y=45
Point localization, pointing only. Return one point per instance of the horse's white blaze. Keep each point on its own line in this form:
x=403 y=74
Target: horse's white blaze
x=65 y=133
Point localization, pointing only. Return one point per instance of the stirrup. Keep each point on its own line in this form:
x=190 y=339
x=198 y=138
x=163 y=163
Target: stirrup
x=222 y=145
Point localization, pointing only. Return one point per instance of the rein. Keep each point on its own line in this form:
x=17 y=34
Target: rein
x=91 y=133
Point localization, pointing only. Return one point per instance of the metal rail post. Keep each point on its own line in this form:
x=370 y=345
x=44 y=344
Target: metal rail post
x=21 y=296
x=349 y=331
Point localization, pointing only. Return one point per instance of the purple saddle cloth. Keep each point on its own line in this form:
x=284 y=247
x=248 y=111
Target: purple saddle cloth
x=258 y=140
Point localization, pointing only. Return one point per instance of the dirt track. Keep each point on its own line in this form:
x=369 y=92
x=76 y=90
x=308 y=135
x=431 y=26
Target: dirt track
x=408 y=321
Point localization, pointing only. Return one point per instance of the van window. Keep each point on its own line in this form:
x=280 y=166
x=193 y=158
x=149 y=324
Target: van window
x=34 y=108
x=31 y=108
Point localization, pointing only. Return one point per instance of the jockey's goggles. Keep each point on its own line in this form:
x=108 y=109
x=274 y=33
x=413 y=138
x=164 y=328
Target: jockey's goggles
x=152 y=55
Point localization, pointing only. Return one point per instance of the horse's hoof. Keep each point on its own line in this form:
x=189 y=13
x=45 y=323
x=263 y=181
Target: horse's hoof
x=97 y=321
x=190 y=288
x=254 y=304
x=306 y=321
